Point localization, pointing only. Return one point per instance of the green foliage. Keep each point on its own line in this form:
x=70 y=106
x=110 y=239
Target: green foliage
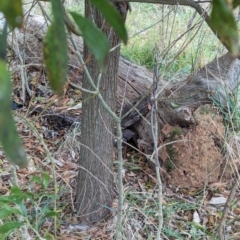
x=12 y=10
x=223 y=21
x=96 y=41
x=16 y=205
x=113 y=17
x=230 y=111
x=9 y=227
x=141 y=54
x=55 y=49
x=8 y=135
x=44 y=182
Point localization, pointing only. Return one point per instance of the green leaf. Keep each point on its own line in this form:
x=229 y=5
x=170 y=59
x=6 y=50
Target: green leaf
x=55 y=49
x=96 y=41
x=44 y=182
x=22 y=207
x=9 y=138
x=10 y=226
x=46 y=179
x=51 y=214
x=17 y=192
x=37 y=179
x=55 y=57
x=222 y=20
x=12 y=10
x=113 y=17
x=175 y=105
x=6 y=210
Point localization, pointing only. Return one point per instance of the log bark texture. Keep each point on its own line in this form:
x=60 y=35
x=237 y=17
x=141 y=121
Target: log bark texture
x=214 y=82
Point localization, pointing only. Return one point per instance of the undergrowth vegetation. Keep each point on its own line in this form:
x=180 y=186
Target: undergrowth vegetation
x=183 y=44
x=176 y=34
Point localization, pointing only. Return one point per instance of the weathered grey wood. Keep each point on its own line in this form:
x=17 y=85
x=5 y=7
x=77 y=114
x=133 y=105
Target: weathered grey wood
x=178 y=102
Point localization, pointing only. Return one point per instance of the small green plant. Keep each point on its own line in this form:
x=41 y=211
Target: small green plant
x=15 y=213
x=162 y=30
x=230 y=110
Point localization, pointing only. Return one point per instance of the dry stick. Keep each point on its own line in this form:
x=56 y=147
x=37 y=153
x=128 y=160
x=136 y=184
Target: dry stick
x=221 y=227
x=167 y=49
x=154 y=129
x=185 y=44
x=24 y=78
x=23 y=75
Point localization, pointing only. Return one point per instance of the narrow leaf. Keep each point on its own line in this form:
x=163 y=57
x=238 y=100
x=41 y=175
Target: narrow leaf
x=22 y=208
x=6 y=210
x=46 y=179
x=8 y=134
x=12 y=10
x=10 y=226
x=16 y=191
x=37 y=179
x=51 y=214
x=96 y=41
x=222 y=20
x=113 y=17
x=55 y=49
x=55 y=57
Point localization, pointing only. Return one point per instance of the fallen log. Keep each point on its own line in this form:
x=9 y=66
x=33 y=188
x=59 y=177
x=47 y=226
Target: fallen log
x=214 y=82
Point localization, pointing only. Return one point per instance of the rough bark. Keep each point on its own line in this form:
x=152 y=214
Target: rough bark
x=95 y=179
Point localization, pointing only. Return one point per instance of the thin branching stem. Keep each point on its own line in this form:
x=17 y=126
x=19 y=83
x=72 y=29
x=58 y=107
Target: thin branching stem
x=120 y=180
x=154 y=129
x=222 y=224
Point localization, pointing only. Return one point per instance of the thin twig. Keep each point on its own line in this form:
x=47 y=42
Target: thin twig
x=222 y=224
x=154 y=129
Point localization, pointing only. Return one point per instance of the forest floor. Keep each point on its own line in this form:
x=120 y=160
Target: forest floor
x=52 y=147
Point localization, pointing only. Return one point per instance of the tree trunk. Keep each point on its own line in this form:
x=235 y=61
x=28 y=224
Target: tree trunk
x=95 y=180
